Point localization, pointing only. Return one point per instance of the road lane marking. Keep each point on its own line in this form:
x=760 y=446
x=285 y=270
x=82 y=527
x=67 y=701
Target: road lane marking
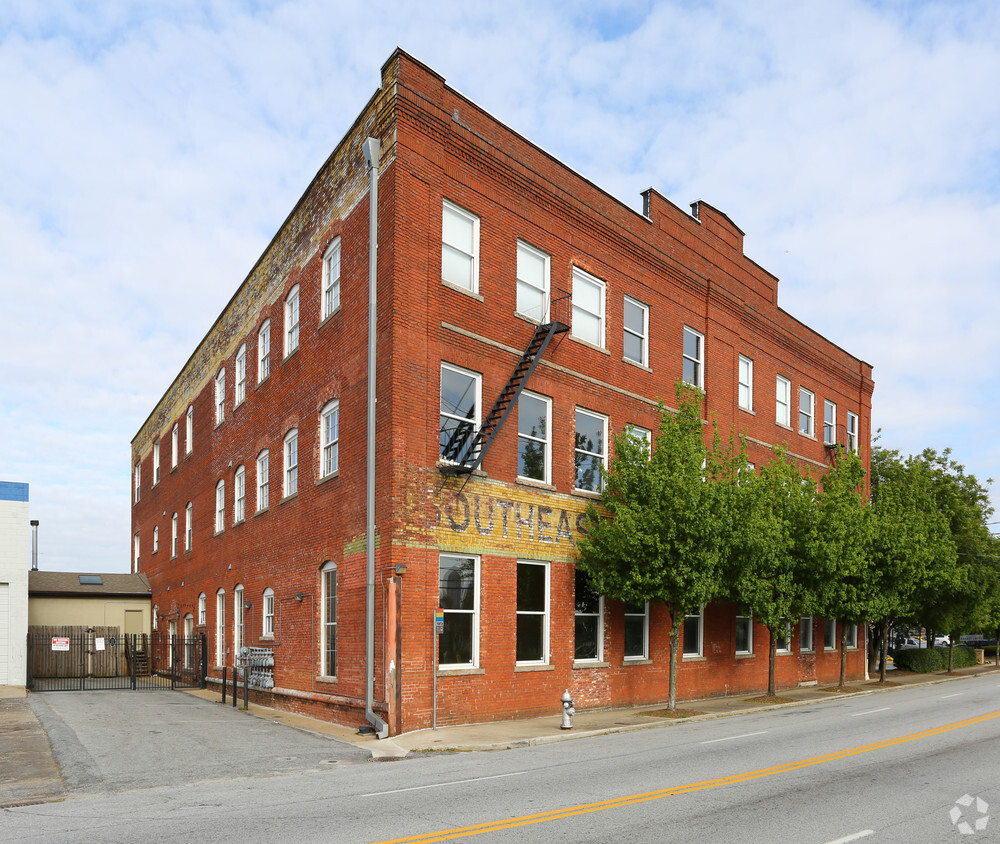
x=863 y=834
x=731 y=738
x=945 y=697
x=443 y=784
x=869 y=712
x=648 y=796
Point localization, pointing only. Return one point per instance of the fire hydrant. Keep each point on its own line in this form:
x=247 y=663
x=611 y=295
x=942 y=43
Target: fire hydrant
x=568 y=711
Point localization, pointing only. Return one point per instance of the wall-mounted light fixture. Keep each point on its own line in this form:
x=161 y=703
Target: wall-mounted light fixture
x=400 y=568
x=298 y=597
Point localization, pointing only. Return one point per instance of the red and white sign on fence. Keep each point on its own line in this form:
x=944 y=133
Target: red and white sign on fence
x=60 y=643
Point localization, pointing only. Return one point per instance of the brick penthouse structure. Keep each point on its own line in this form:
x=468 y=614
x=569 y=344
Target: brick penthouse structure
x=497 y=269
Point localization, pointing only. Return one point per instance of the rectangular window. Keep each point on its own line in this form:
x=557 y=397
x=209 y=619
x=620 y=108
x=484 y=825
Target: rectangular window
x=239 y=612
x=156 y=538
x=329 y=575
x=291 y=463
x=135 y=550
x=156 y=462
x=264 y=351
x=744 y=631
x=220 y=506
x=694 y=358
x=637 y=631
x=532 y=282
x=588 y=308
x=173 y=535
x=220 y=628
x=591 y=450
x=534 y=433
x=268 y=628
x=588 y=635
x=188 y=531
x=784 y=641
x=292 y=321
x=331 y=278
x=806 y=633
x=262 y=481
x=830 y=634
x=746 y=383
x=694 y=626
x=329 y=434
x=241 y=374
x=643 y=435
x=458 y=598
x=460 y=247
x=201 y=609
x=852 y=431
x=783 y=402
x=137 y=475
x=189 y=434
x=807 y=410
x=220 y=397
x=852 y=635
x=174 y=445
x=532 y=613
x=239 y=495
x=460 y=391
x=636 y=331
x=829 y=422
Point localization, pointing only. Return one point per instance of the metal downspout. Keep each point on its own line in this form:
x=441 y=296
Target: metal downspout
x=371 y=149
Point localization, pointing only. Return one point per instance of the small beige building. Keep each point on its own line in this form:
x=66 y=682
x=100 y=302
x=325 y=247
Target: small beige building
x=72 y=599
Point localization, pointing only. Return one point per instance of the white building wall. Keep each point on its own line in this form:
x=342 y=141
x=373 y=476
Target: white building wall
x=15 y=560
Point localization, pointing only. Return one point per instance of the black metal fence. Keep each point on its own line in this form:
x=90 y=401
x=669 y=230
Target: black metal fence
x=88 y=661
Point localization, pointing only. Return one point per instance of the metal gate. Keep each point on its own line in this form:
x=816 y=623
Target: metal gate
x=86 y=662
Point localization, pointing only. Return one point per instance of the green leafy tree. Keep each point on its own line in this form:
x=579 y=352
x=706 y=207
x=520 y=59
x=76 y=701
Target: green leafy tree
x=661 y=533
x=770 y=568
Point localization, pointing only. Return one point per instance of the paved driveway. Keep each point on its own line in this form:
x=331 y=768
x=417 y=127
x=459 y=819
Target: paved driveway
x=112 y=741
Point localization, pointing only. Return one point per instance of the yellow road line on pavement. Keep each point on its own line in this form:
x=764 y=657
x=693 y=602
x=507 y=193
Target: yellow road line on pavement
x=630 y=800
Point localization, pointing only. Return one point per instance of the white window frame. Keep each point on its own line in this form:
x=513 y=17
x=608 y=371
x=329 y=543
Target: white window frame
x=173 y=535
x=745 y=378
x=645 y=631
x=787 y=638
x=807 y=412
x=328 y=626
x=156 y=615
x=459 y=250
x=688 y=651
x=188 y=641
x=783 y=401
x=543 y=438
x=241 y=374
x=829 y=634
x=529 y=287
x=267 y=614
x=220 y=627
x=331 y=279
x=263 y=480
x=477 y=379
x=543 y=613
x=135 y=550
x=290 y=466
x=806 y=634
x=174 y=444
x=852 y=637
x=220 y=506
x=745 y=616
x=852 y=431
x=239 y=619
x=220 y=396
x=590 y=454
x=644 y=435
x=202 y=611
x=599 y=615
x=829 y=422
x=264 y=351
x=137 y=475
x=189 y=443
x=329 y=439
x=454 y=611
x=292 y=321
x=584 y=281
x=156 y=462
x=188 y=526
x=696 y=361
x=239 y=495
x=642 y=335
x=156 y=538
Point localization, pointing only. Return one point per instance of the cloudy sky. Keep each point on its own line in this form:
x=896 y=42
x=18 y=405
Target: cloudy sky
x=150 y=150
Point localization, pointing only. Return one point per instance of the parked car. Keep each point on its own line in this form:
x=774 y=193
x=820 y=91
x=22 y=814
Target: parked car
x=904 y=642
x=942 y=641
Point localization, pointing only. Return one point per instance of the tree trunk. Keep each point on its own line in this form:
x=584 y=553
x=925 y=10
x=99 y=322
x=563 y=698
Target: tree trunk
x=843 y=653
x=674 y=641
x=772 y=656
x=883 y=648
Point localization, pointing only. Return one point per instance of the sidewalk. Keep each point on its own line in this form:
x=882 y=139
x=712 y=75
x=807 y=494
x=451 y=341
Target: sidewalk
x=30 y=774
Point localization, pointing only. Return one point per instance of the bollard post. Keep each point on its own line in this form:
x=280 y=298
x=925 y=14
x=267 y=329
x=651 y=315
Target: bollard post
x=224 y=680
x=236 y=687
x=246 y=689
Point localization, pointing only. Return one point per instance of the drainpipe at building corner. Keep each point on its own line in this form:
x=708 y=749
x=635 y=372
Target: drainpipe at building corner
x=371 y=150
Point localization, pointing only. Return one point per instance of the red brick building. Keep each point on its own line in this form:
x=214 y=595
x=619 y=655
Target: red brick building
x=249 y=513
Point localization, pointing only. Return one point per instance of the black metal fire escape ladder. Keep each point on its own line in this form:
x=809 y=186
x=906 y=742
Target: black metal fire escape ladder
x=463 y=450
